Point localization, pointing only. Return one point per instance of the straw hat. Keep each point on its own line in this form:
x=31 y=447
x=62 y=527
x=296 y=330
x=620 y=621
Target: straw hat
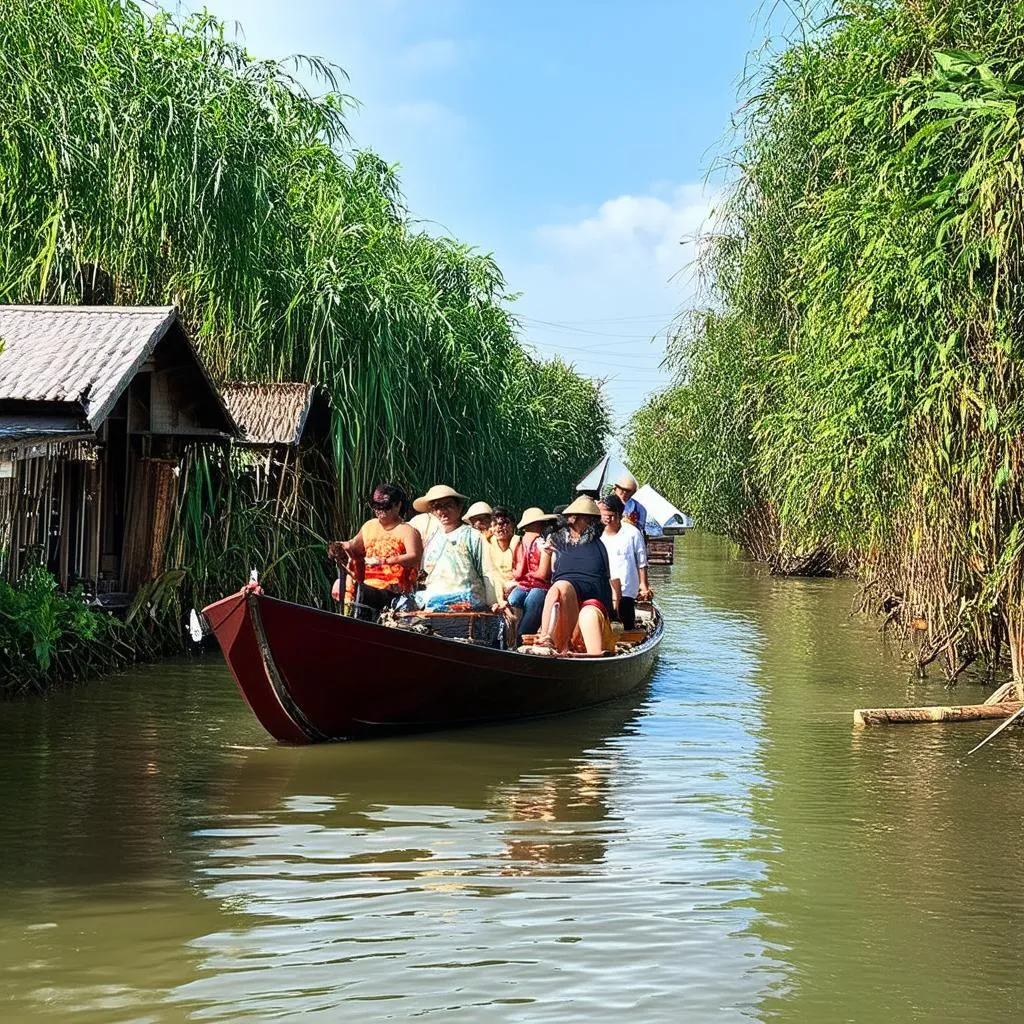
x=478 y=508
x=535 y=515
x=582 y=506
x=436 y=493
x=626 y=482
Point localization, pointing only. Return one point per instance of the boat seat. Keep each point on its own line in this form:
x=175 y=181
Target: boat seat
x=484 y=628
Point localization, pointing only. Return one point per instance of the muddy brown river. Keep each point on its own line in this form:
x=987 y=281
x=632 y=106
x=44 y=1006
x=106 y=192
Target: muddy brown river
x=722 y=846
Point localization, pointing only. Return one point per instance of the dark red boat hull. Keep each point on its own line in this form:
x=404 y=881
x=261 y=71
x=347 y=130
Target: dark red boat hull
x=311 y=676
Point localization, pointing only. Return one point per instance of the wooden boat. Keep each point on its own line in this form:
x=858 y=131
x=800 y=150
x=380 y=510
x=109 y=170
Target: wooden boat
x=311 y=676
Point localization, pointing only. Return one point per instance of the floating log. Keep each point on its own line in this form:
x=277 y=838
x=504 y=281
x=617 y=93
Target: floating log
x=936 y=713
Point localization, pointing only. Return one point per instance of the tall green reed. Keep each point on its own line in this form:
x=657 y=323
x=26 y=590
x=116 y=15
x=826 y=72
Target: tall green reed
x=854 y=384
x=193 y=173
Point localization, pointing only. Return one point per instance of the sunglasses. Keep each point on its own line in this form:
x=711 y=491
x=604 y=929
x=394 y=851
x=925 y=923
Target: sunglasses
x=500 y=519
x=381 y=506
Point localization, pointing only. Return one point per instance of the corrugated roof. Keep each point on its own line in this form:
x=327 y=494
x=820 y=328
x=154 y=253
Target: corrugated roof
x=48 y=426
x=269 y=413
x=78 y=354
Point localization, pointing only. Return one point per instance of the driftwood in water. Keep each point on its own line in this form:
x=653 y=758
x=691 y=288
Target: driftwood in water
x=938 y=713
x=1006 y=692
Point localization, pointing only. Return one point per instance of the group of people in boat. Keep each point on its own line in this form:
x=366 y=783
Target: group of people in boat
x=560 y=578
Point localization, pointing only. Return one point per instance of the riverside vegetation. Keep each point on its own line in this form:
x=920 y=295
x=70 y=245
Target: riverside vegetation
x=850 y=397
x=192 y=173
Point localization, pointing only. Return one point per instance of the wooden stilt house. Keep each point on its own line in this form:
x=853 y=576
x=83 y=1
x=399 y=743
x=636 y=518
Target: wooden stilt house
x=97 y=407
x=284 y=440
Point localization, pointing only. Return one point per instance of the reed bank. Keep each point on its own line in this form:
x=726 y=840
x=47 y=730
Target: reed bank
x=849 y=399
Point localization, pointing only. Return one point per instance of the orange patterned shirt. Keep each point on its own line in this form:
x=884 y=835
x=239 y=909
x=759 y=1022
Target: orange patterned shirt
x=381 y=543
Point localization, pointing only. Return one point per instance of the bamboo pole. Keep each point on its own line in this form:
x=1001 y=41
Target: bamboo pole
x=936 y=713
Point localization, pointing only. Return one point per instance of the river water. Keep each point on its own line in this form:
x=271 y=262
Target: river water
x=723 y=846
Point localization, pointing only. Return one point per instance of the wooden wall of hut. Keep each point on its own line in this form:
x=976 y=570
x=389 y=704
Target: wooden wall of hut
x=49 y=512
x=152 y=498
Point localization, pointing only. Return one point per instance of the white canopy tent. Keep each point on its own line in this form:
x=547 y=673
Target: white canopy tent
x=660 y=510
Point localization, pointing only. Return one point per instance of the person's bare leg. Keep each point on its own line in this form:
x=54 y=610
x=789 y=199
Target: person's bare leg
x=592 y=629
x=560 y=626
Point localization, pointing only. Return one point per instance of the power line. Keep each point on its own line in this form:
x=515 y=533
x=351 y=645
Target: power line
x=661 y=318
x=568 y=329
x=618 y=365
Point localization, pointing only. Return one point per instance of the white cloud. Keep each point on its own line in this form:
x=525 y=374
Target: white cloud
x=601 y=289
x=643 y=233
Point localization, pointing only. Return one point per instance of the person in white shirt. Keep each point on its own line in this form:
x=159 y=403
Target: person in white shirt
x=627 y=561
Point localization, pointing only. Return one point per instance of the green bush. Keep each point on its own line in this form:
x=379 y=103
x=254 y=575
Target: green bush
x=855 y=383
x=36 y=617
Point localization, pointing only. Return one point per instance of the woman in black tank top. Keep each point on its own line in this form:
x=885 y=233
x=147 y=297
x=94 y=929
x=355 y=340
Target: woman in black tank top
x=579 y=602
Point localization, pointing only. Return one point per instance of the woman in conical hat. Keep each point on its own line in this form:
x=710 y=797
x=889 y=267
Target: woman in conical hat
x=531 y=571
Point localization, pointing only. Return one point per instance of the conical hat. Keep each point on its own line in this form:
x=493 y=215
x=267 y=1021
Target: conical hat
x=582 y=506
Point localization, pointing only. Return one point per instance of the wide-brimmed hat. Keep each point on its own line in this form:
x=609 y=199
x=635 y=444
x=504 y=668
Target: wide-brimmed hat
x=626 y=482
x=436 y=493
x=478 y=508
x=535 y=515
x=582 y=506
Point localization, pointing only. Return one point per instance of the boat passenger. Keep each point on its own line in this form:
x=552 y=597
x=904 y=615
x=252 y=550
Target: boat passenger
x=578 y=605
x=385 y=553
x=453 y=559
x=479 y=515
x=502 y=546
x=426 y=525
x=633 y=511
x=627 y=560
x=531 y=571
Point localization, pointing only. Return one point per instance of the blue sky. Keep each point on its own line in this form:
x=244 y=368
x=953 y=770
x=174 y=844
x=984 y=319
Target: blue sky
x=571 y=138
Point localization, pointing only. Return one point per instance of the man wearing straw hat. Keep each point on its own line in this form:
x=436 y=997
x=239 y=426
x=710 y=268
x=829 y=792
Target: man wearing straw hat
x=632 y=511
x=453 y=558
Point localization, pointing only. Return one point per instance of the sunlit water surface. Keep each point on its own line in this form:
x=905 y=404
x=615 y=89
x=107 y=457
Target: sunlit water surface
x=722 y=846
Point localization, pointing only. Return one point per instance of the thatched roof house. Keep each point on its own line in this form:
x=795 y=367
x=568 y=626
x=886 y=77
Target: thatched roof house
x=284 y=414
x=97 y=404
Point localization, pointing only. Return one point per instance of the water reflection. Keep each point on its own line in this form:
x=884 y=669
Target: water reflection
x=580 y=865
x=162 y=862
x=878 y=890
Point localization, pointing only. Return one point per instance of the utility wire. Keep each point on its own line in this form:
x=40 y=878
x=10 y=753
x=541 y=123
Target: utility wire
x=661 y=318
x=568 y=329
